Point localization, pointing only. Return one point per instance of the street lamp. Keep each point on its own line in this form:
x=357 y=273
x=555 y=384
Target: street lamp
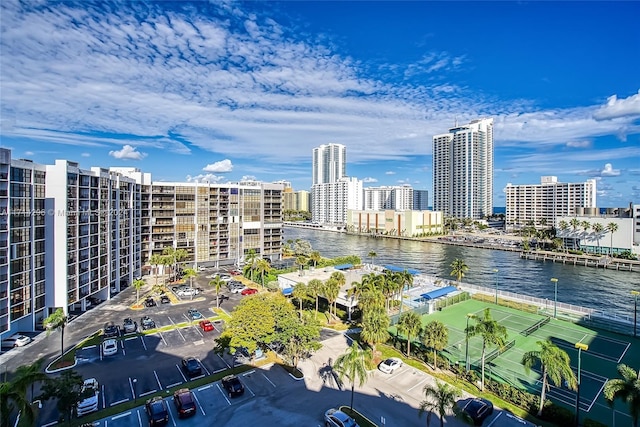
x=635 y=312
x=555 y=298
x=580 y=346
x=495 y=271
x=135 y=394
x=466 y=351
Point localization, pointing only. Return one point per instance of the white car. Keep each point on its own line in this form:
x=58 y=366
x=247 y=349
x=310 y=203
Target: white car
x=16 y=340
x=336 y=418
x=187 y=292
x=389 y=365
x=89 y=403
x=109 y=347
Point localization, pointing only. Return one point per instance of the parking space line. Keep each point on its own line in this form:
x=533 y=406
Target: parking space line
x=90 y=346
x=174 y=384
x=266 y=378
x=119 y=402
x=252 y=393
x=147 y=392
x=122 y=345
x=129 y=339
x=143 y=343
x=195 y=396
x=223 y=361
x=125 y=414
x=219 y=370
x=248 y=372
x=181 y=374
x=223 y=394
x=139 y=419
x=203 y=367
x=172 y=419
x=205 y=387
x=419 y=383
x=104 y=402
x=133 y=392
x=163 y=340
x=52 y=423
x=157 y=379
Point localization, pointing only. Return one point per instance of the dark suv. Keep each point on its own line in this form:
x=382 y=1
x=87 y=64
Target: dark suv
x=191 y=366
x=232 y=385
x=479 y=410
x=157 y=411
x=185 y=404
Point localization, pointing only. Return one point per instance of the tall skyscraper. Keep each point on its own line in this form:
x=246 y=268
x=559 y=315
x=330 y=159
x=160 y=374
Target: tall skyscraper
x=463 y=170
x=329 y=163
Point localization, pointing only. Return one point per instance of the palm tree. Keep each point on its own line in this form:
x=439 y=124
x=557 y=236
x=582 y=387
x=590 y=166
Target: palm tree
x=262 y=267
x=375 y=326
x=12 y=399
x=563 y=226
x=354 y=365
x=217 y=284
x=190 y=274
x=330 y=290
x=492 y=333
x=155 y=260
x=166 y=261
x=555 y=364
x=26 y=376
x=406 y=280
x=314 y=289
x=315 y=257
x=435 y=336
x=301 y=261
x=458 y=269
x=300 y=293
x=598 y=229
x=627 y=389
x=442 y=397
x=410 y=325
x=612 y=227
x=372 y=255
x=138 y=283
x=57 y=320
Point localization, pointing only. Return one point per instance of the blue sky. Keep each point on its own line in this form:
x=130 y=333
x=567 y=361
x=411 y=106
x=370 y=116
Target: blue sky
x=226 y=90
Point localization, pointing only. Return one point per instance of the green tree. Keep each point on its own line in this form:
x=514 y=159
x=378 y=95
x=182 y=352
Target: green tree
x=217 y=283
x=626 y=389
x=492 y=333
x=598 y=229
x=442 y=397
x=375 y=326
x=262 y=267
x=330 y=290
x=13 y=394
x=301 y=261
x=458 y=269
x=372 y=255
x=28 y=375
x=428 y=407
x=166 y=261
x=315 y=257
x=410 y=325
x=250 y=259
x=190 y=274
x=406 y=281
x=300 y=336
x=58 y=321
x=556 y=366
x=354 y=365
x=67 y=388
x=612 y=227
x=137 y=284
x=435 y=336
x=314 y=289
x=300 y=293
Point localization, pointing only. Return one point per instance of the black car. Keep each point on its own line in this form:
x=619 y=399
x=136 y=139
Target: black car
x=147 y=323
x=191 y=366
x=110 y=331
x=150 y=302
x=185 y=404
x=164 y=299
x=157 y=411
x=232 y=385
x=479 y=410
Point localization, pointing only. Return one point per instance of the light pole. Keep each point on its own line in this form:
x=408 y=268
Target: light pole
x=135 y=390
x=466 y=351
x=635 y=312
x=495 y=272
x=580 y=346
x=555 y=297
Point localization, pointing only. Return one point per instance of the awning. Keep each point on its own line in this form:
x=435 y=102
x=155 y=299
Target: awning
x=439 y=292
x=287 y=291
x=401 y=269
x=343 y=266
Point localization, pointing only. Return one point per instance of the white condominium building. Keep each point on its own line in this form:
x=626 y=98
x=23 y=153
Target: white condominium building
x=388 y=197
x=463 y=170
x=331 y=201
x=329 y=163
x=543 y=203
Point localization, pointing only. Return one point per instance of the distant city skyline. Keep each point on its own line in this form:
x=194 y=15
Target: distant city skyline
x=223 y=91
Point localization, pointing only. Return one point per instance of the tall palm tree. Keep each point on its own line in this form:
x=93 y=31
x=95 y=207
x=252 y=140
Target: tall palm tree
x=406 y=280
x=492 y=333
x=217 y=283
x=330 y=290
x=12 y=399
x=372 y=255
x=435 y=336
x=598 y=229
x=57 y=320
x=137 y=284
x=300 y=293
x=315 y=257
x=375 y=326
x=314 y=289
x=155 y=260
x=410 y=325
x=612 y=227
x=458 y=269
x=443 y=396
x=556 y=366
x=166 y=260
x=627 y=389
x=26 y=377
x=354 y=365
x=190 y=274
x=262 y=267
x=563 y=226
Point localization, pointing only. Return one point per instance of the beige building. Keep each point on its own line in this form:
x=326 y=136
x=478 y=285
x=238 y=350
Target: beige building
x=407 y=223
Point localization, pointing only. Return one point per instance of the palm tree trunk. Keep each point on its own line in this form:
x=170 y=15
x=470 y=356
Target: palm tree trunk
x=408 y=345
x=61 y=342
x=482 y=382
x=353 y=387
x=435 y=362
x=544 y=391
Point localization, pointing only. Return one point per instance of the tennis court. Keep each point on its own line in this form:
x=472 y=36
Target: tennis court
x=598 y=363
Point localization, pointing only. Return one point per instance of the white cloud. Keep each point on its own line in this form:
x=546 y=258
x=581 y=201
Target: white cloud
x=579 y=144
x=128 y=152
x=219 y=167
x=29 y=153
x=615 y=108
x=609 y=170
x=85 y=155
x=369 y=180
x=389 y=173
x=208 y=177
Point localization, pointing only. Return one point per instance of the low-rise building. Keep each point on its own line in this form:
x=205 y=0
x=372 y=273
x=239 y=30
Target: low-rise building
x=406 y=223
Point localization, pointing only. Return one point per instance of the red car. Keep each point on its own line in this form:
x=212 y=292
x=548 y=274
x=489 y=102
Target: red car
x=206 y=325
x=235 y=272
x=249 y=291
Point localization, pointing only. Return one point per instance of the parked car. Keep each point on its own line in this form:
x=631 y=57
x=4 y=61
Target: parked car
x=389 y=365
x=232 y=385
x=206 y=326
x=237 y=289
x=16 y=340
x=147 y=323
x=235 y=272
x=164 y=299
x=110 y=331
x=188 y=292
x=478 y=409
x=178 y=288
x=336 y=418
x=89 y=398
x=191 y=366
x=129 y=325
x=194 y=314
x=109 y=347
x=157 y=411
x=150 y=302
x=185 y=404
x=248 y=291
x=233 y=283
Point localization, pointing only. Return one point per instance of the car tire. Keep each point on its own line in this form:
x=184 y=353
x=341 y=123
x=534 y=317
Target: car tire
x=327 y=424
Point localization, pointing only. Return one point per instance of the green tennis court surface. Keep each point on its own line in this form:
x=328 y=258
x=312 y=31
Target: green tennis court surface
x=598 y=363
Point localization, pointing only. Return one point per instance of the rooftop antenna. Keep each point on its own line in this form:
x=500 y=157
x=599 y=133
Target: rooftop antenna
x=455 y=122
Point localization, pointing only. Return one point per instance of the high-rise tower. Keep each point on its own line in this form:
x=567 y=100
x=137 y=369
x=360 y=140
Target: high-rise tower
x=463 y=170
x=329 y=163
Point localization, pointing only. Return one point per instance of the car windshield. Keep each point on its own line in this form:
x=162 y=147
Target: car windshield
x=192 y=363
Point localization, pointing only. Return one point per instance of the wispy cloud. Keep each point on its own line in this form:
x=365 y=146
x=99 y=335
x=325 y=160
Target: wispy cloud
x=615 y=108
x=208 y=177
x=369 y=180
x=128 y=153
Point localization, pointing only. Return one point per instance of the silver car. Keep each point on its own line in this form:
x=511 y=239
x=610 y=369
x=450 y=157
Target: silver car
x=336 y=418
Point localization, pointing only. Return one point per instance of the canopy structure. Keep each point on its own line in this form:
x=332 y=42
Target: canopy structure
x=401 y=269
x=439 y=292
x=343 y=266
x=287 y=291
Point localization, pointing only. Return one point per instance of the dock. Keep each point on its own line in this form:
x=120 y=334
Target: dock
x=583 y=260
